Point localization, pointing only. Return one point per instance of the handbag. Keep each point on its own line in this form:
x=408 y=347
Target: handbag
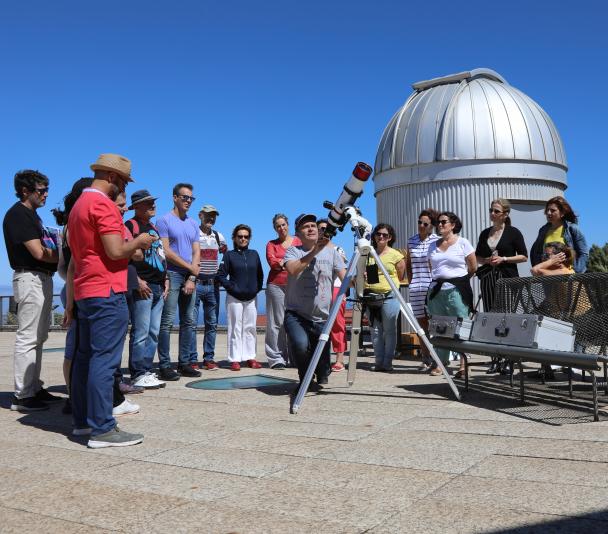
x=374 y=301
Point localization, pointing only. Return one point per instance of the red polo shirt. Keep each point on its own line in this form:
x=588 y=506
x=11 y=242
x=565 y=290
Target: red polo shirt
x=94 y=215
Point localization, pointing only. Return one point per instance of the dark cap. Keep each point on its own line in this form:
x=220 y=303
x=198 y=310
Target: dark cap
x=304 y=218
x=140 y=196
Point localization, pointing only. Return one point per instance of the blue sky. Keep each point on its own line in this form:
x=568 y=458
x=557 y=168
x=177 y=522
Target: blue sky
x=266 y=106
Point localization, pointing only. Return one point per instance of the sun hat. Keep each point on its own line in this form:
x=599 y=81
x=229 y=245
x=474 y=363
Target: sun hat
x=140 y=196
x=114 y=163
x=208 y=208
x=304 y=218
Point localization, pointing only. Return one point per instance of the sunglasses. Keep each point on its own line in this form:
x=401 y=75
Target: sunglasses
x=42 y=190
x=497 y=212
x=420 y=223
x=242 y=237
x=382 y=234
x=443 y=221
x=186 y=198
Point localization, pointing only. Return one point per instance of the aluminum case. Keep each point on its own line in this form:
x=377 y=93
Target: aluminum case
x=450 y=326
x=523 y=330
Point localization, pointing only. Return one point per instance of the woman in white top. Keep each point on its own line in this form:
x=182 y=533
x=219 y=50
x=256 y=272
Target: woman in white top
x=419 y=272
x=452 y=261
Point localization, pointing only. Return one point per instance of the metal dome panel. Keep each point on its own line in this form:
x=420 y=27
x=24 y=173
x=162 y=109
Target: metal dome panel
x=469 y=116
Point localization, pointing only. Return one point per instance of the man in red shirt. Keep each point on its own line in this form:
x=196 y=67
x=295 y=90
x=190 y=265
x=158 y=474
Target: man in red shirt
x=99 y=270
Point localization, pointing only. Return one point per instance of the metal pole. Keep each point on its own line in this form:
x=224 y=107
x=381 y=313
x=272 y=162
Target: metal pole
x=324 y=337
x=357 y=320
x=409 y=315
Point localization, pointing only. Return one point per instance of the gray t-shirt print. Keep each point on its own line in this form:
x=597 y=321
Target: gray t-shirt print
x=309 y=294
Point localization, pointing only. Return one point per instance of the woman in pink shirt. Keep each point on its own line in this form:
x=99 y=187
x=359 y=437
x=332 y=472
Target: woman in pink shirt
x=276 y=339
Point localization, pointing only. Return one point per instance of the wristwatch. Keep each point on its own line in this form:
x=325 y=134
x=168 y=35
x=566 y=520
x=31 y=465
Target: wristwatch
x=191 y=278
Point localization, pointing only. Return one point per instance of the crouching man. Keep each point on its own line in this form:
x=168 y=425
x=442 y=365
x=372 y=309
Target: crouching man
x=312 y=268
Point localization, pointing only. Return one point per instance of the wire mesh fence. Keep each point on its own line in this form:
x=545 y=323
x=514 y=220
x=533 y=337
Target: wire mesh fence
x=581 y=299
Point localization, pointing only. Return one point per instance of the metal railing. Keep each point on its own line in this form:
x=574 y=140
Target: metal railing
x=8 y=319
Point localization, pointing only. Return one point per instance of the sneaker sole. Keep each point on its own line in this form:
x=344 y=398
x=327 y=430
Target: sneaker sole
x=103 y=444
x=152 y=387
x=125 y=413
x=172 y=379
x=18 y=408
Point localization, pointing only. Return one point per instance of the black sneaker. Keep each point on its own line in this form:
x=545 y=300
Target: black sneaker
x=322 y=380
x=278 y=366
x=44 y=396
x=167 y=374
x=31 y=404
x=188 y=370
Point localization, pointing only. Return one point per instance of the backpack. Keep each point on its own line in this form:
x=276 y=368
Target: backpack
x=135 y=225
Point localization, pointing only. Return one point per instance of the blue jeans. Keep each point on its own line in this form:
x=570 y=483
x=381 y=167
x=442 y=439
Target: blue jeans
x=303 y=336
x=205 y=296
x=175 y=298
x=102 y=324
x=145 y=326
x=384 y=333
x=70 y=337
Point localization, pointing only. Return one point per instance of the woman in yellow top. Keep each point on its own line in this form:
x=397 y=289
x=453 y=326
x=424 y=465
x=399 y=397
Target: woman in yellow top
x=384 y=317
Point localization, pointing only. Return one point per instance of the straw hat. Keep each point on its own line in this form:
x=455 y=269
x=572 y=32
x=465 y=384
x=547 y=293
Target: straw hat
x=114 y=163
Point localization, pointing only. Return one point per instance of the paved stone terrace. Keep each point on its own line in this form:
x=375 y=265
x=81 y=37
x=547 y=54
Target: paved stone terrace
x=394 y=453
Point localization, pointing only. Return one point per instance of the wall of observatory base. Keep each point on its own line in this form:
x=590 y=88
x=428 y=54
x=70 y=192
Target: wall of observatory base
x=469 y=199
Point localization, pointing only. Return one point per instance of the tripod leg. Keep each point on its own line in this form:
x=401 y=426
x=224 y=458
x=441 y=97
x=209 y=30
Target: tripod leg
x=409 y=314
x=324 y=337
x=355 y=333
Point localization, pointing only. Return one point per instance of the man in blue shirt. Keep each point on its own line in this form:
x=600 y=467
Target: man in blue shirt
x=180 y=238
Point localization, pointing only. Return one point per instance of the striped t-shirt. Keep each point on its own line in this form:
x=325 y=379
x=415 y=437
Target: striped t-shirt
x=210 y=251
x=421 y=272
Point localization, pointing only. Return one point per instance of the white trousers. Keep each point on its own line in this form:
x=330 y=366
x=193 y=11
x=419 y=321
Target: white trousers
x=33 y=294
x=241 y=316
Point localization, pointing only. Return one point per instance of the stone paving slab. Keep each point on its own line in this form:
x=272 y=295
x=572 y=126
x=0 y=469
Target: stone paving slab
x=561 y=472
x=525 y=496
x=392 y=453
x=15 y=521
x=433 y=516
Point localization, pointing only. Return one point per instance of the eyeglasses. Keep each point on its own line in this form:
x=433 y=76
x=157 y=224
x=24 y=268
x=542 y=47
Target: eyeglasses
x=42 y=190
x=497 y=212
x=443 y=221
x=186 y=198
x=242 y=236
x=425 y=224
x=383 y=235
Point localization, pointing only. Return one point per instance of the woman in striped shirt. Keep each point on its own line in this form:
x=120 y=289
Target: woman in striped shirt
x=419 y=273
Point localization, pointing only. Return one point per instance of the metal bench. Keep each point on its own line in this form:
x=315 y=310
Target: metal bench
x=581 y=299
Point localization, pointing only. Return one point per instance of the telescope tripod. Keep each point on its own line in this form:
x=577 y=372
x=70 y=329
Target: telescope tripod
x=356 y=268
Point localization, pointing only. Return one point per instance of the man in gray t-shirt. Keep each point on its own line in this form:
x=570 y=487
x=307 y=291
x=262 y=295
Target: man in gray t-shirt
x=312 y=269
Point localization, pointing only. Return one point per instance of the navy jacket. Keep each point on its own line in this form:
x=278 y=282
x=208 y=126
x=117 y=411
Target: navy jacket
x=241 y=273
x=573 y=237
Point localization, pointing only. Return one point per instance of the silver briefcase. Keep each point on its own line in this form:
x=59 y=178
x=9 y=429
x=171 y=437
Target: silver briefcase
x=523 y=330
x=450 y=327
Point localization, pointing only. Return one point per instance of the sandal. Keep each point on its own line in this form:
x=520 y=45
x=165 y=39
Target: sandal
x=459 y=374
x=436 y=372
x=337 y=367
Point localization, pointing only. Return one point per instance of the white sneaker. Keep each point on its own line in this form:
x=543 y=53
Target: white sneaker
x=126 y=408
x=149 y=381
